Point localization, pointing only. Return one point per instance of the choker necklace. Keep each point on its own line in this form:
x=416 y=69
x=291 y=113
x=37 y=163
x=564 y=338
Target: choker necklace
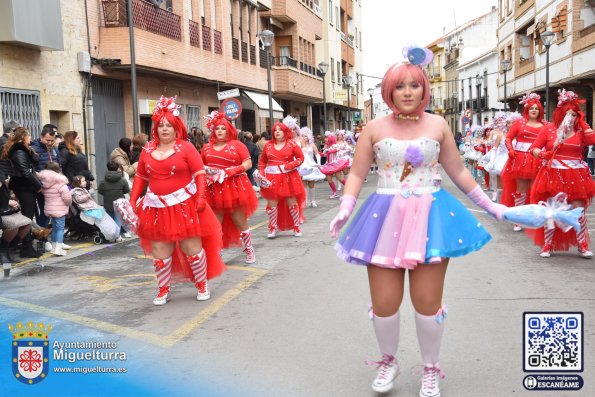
x=406 y=117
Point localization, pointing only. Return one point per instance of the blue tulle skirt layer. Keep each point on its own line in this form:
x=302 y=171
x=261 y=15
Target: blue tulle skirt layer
x=452 y=231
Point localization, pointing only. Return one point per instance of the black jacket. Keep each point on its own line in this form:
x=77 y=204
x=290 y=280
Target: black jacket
x=23 y=162
x=74 y=164
x=254 y=153
x=113 y=187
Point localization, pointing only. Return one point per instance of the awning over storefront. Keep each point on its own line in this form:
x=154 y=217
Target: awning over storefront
x=262 y=103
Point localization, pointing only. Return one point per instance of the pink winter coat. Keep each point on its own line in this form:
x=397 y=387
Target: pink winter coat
x=56 y=193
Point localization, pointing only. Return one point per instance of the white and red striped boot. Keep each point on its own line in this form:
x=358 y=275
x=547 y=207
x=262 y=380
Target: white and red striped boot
x=548 y=237
x=163 y=274
x=198 y=264
x=273 y=214
x=294 y=210
x=246 y=237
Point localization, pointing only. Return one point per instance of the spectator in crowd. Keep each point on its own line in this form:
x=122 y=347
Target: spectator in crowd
x=264 y=138
x=199 y=139
x=24 y=183
x=254 y=153
x=58 y=139
x=46 y=152
x=121 y=156
x=12 y=223
x=56 y=204
x=5 y=165
x=72 y=159
x=138 y=142
x=114 y=187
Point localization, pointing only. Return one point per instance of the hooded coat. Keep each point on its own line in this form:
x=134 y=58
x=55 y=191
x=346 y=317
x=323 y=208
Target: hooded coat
x=113 y=187
x=56 y=193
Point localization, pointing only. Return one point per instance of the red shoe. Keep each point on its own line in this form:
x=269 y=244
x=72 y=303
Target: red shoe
x=546 y=252
x=203 y=291
x=162 y=296
x=583 y=248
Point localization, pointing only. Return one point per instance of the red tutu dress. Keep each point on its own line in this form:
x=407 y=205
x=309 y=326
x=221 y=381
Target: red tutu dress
x=234 y=192
x=280 y=166
x=522 y=165
x=168 y=212
x=564 y=172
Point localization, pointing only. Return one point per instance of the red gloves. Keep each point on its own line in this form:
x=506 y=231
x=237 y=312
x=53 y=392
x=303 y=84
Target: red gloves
x=291 y=165
x=201 y=191
x=137 y=189
x=231 y=171
x=511 y=154
x=545 y=154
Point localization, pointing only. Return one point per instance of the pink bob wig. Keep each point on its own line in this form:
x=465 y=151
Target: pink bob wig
x=560 y=112
x=232 y=132
x=286 y=131
x=396 y=74
x=331 y=140
x=530 y=103
x=175 y=121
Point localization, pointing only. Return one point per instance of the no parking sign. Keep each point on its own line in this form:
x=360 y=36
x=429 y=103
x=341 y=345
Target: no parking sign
x=231 y=108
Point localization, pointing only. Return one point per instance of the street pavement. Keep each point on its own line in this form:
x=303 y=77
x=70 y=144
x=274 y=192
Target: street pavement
x=295 y=323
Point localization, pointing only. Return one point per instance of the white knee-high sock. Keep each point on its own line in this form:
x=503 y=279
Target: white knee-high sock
x=388 y=331
x=429 y=336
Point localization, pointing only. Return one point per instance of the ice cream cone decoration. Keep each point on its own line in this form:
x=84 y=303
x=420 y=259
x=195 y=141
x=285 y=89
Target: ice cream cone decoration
x=414 y=157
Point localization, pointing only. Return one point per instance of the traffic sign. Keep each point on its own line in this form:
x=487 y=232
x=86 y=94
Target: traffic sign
x=231 y=108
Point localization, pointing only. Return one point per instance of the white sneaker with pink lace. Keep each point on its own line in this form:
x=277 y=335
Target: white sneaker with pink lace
x=430 y=380
x=388 y=370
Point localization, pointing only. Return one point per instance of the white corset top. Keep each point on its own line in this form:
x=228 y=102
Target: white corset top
x=390 y=157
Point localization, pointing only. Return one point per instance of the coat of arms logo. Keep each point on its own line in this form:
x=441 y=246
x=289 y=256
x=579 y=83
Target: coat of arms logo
x=30 y=351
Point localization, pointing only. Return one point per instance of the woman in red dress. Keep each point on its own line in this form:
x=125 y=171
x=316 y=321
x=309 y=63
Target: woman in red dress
x=286 y=197
x=230 y=194
x=176 y=223
x=565 y=171
x=521 y=168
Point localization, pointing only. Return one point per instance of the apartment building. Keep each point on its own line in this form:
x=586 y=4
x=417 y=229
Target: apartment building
x=298 y=26
x=463 y=73
x=571 y=54
x=40 y=82
x=341 y=48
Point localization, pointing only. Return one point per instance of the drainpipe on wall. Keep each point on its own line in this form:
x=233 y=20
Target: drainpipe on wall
x=88 y=117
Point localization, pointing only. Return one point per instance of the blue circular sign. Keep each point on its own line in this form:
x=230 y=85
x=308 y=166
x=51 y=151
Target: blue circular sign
x=231 y=108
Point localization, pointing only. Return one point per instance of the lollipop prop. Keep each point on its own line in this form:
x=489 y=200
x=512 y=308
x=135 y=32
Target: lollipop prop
x=549 y=214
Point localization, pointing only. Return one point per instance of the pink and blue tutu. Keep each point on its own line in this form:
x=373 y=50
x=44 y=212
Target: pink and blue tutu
x=410 y=221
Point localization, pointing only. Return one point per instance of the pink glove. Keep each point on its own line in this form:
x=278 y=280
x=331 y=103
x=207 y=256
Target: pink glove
x=483 y=201
x=345 y=210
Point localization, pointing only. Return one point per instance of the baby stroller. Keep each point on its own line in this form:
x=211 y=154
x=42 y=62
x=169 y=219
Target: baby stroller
x=78 y=230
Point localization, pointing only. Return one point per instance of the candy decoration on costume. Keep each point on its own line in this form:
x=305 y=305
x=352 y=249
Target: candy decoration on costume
x=414 y=157
x=551 y=213
x=418 y=55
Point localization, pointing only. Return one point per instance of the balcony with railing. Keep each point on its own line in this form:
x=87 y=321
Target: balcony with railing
x=292 y=76
x=144 y=15
x=288 y=13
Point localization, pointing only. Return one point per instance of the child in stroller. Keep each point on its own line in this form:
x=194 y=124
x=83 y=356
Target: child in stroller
x=87 y=218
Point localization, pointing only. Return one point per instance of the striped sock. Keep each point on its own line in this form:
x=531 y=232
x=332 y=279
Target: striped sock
x=273 y=214
x=198 y=264
x=295 y=215
x=163 y=271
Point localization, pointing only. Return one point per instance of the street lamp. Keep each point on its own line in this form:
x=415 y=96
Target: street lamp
x=348 y=81
x=505 y=63
x=323 y=68
x=548 y=38
x=371 y=93
x=267 y=41
x=455 y=96
x=478 y=82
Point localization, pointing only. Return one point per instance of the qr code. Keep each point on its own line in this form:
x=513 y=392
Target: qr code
x=553 y=342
